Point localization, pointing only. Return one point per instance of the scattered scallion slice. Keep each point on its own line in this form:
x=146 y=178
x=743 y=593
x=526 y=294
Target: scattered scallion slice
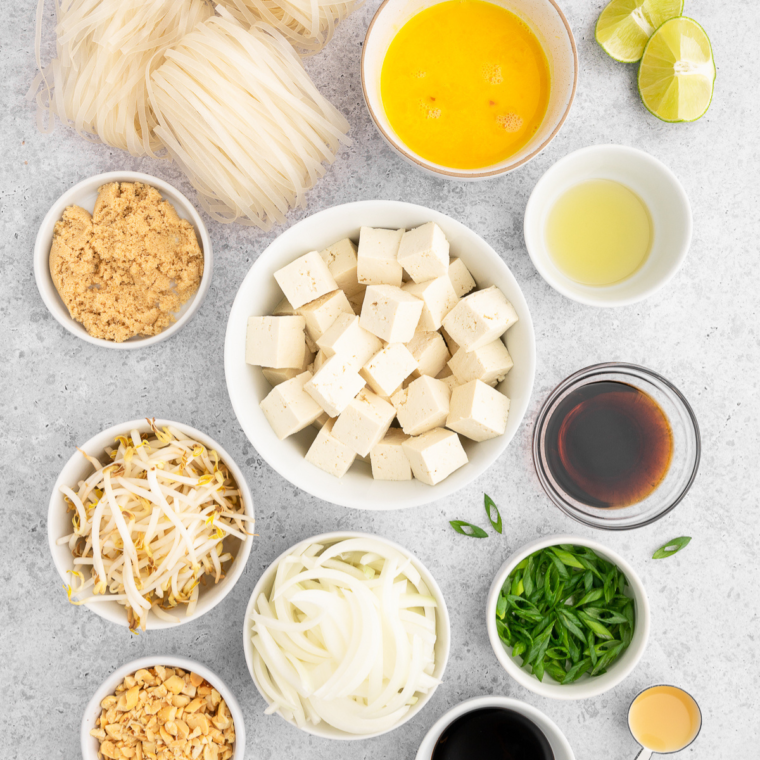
x=491 y=508
x=672 y=547
x=468 y=529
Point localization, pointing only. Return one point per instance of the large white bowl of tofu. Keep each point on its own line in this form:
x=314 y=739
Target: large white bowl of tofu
x=380 y=355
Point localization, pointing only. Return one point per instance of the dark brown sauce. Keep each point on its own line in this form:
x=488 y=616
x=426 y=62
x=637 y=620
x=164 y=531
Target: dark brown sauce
x=608 y=444
x=492 y=733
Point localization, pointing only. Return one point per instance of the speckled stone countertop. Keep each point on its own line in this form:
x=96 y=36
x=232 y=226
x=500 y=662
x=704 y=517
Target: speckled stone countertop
x=701 y=332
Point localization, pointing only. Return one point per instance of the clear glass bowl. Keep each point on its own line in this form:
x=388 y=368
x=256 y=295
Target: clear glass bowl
x=687 y=448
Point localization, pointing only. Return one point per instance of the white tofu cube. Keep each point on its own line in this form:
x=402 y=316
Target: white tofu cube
x=422 y=405
x=388 y=368
x=288 y=408
x=460 y=278
x=322 y=420
x=434 y=455
x=276 y=376
x=305 y=279
x=478 y=411
x=323 y=311
x=450 y=342
x=388 y=459
x=357 y=301
x=430 y=352
x=341 y=260
x=284 y=309
x=334 y=385
x=346 y=338
x=424 y=253
x=390 y=313
x=439 y=298
x=480 y=318
x=364 y=422
x=489 y=364
x=320 y=358
x=329 y=454
x=451 y=383
x=310 y=344
x=276 y=342
x=377 y=262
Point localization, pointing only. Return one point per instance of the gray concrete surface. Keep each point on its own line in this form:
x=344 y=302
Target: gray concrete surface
x=701 y=332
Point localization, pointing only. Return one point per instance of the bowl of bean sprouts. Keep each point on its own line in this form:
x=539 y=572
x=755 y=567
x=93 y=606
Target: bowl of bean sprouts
x=150 y=524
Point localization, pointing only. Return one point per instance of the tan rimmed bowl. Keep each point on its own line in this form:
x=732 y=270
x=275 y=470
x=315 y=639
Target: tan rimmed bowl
x=544 y=18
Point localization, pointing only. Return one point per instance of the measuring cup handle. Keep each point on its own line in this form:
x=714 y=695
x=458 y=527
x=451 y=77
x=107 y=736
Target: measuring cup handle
x=644 y=754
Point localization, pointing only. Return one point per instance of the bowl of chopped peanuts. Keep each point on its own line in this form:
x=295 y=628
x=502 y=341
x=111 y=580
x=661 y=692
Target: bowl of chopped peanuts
x=164 y=708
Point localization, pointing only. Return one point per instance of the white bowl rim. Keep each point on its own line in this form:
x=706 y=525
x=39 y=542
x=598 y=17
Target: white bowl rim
x=169 y=661
x=473 y=174
x=599 y=684
x=47 y=289
x=588 y=299
x=443 y=623
x=475 y=703
x=432 y=493
x=240 y=561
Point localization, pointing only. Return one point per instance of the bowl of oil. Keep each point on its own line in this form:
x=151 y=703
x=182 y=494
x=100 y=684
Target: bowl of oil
x=616 y=446
x=469 y=89
x=608 y=225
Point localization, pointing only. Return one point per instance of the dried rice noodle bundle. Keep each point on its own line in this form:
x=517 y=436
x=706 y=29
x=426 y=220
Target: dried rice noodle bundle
x=104 y=49
x=238 y=112
x=308 y=24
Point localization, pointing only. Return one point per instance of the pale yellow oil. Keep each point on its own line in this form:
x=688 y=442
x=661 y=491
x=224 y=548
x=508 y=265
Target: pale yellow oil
x=664 y=719
x=599 y=232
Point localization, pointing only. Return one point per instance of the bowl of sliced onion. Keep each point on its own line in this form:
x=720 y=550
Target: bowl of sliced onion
x=150 y=524
x=346 y=636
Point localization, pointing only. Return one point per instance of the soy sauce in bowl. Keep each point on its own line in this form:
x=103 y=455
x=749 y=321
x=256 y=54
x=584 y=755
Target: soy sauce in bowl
x=492 y=733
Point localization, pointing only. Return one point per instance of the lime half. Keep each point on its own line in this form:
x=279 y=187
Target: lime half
x=625 y=26
x=677 y=71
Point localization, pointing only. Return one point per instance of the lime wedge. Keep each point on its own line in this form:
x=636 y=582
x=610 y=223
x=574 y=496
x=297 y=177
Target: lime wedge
x=625 y=26
x=677 y=71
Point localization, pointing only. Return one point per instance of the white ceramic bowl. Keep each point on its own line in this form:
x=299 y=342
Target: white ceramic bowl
x=585 y=687
x=259 y=294
x=59 y=523
x=84 y=194
x=559 y=744
x=546 y=21
x=443 y=628
x=653 y=182
x=92 y=711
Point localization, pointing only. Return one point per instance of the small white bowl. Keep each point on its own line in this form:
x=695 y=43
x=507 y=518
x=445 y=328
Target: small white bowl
x=653 y=182
x=559 y=744
x=443 y=629
x=544 y=18
x=247 y=386
x=59 y=523
x=92 y=712
x=84 y=194
x=585 y=687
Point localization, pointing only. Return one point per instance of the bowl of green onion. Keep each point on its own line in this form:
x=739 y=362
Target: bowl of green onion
x=567 y=617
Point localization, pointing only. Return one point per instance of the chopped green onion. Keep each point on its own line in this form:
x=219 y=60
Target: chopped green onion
x=490 y=508
x=671 y=548
x=461 y=526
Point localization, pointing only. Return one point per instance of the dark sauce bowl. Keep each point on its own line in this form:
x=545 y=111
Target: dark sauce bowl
x=684 y=462
x=544 y=735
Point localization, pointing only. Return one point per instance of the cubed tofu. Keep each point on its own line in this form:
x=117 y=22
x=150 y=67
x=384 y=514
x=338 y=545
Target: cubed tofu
x=310 y=344
x=439 y=298
x=334 y=385
x=390 y=313
x=322 y=420
x=340 y=258
x=348 y=339
x=450 y=342
x=490 y=364
x=276 y=376
x=284 y=309
x=430 y=352
x=480 y=318
x=424 y=253
x=478 y=411
x=388 y=368
x=378 y=257
x=288 y=408
x=305 y=279
x=460 y=278
x=364 y=422
x=329 y=454
x=422 y=405
x=323 y=311
x=434 y=455
x=388 y=459
x=276 y=342
x=319 y=359
x=357 y=301
x=451 y=383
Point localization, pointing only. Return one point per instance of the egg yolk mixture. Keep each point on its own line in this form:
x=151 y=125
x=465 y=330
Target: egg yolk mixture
x=465 y=84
